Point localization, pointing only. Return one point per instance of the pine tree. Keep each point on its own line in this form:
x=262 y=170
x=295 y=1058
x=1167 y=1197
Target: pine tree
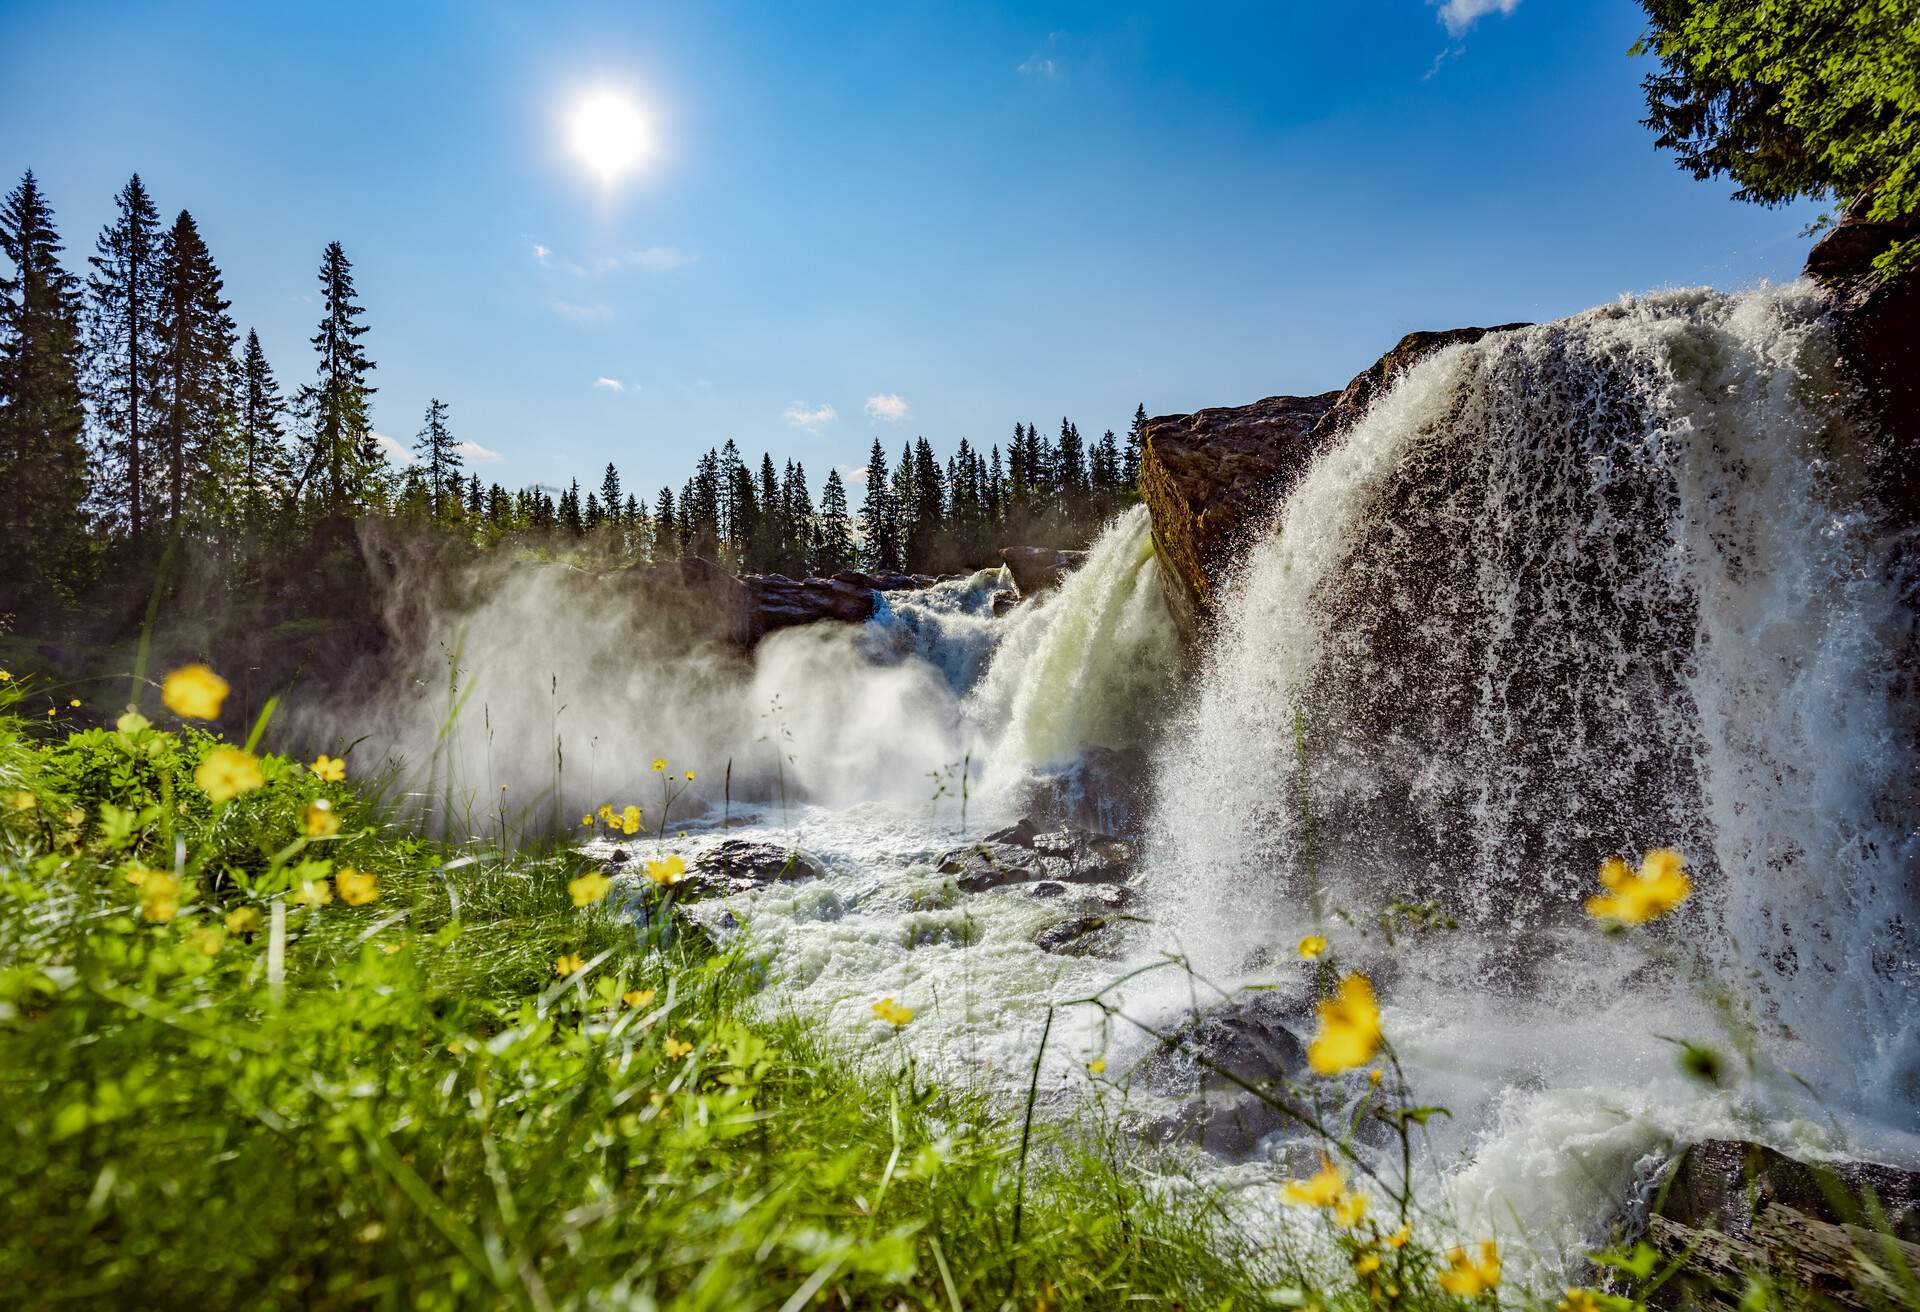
x=594 y=515
x=473 y=497
x=836 y=527
x=1130 y=457
x=440 y=454
x=43 y=457
x=195 y=366
x=1070 y=464
x=342 y=430
x=123 y=326
x=570 y=516
x=797 y=522
x=262 y=426
x=610 y=490
x=878 y=518
x=666 y=533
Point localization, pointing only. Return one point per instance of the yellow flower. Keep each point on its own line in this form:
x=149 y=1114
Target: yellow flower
x=1375 y=1075
x=630 y=818
x=313 y=893
x=228 y=772
x=136 y=874
x=1324 y=1188
x=357 y=888
x=159 y=897
x=1367 y=1264
x=52 y=711
x=689 y=776
x=567 y=963
x=390 y=948
x=5 y=677
x=22 y=800
x=207 y=940
x=1350 y=1210
x=1579 y=1300
x=674 y=1048
x=329 y=769
x=1398 y=1239
x=194 y=692
x=892 y=1012
x=589 y=888
x=1312 y=946
x=243 y=920
x=586 y=822
x=1471 y=1277
x=319 y=819
x=667 y=872
x=1098 y=1066
x=629 y=827
x=659 y=764
x=605 y=813
x=637 y=997
x=132 y=722
x=74 y=702
x=1659 y=886
x=1349 y=1029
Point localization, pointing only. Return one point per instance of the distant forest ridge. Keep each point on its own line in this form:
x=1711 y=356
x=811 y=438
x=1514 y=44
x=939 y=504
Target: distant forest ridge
x=134 y=418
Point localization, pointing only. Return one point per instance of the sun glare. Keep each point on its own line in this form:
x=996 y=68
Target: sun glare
x=609 y=134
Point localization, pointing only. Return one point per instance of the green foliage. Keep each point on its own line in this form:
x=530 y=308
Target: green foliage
x=1794 y=98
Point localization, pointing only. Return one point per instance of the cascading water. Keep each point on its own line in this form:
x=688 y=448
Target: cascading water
x=1595 y=586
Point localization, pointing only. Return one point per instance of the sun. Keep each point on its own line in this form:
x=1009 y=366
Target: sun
x=609 y=133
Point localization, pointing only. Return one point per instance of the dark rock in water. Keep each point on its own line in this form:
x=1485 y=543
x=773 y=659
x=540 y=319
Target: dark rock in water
x=1003 y=602
x=1082 y=936
x=1023 y=854
x=739 y=865
x=618 y=857
x=698 y=597
x=1215 y=1058
x=1104 y=791
x=1210 y=478
x=779 y=602
x=1035 y=569
x=1732 y=1208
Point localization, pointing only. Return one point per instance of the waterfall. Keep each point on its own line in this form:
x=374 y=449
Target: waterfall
x=1595 y=586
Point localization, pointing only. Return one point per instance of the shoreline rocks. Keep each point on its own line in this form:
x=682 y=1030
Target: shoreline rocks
x=1038 y=569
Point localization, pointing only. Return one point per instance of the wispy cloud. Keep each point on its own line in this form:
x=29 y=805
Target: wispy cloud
x=647 y=259
x=887 y=406
x=582 y=313
x=1459 y=15
x=394 y=447
x=802 y=415
x=611 y=384
x=540 y=253
x=474 y=451
x=1039 y=66
x=851 y=474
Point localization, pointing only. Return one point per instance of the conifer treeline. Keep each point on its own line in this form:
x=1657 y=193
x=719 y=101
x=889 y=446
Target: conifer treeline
x=133 y=415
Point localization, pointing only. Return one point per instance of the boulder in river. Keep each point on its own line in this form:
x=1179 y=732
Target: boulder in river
x=739 y=865
x=1036 y=569
x=1024 y=853
x=1733 y=1209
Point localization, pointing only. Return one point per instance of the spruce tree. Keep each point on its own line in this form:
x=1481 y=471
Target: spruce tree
x=262 y=426
x=877 y=517
x=1136 y=438
x=195 y=366
x=123 y=328
x=342 y=437
x=610 y=490
x=440 y=454
x=666 y=533
x=836 y=527
x=43 y=457
x=797 y=521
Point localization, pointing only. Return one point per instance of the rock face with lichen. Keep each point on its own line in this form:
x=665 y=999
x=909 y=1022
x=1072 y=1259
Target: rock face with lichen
x=1210 y=479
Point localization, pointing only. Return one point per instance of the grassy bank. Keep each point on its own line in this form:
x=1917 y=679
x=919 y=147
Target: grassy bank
x=247 y=1059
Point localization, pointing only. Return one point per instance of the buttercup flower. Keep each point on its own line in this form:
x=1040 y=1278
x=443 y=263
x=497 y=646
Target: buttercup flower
x=136 y=874
x=689 y=776
x=586 y=822
x=637 y=997
x=21 y=800
x=675 y=1049
x=357 y=888
x=667 y=872
x=1097 y=1066
x=74 y=702
x=1471 y=1277
x=892 y=1012
x=1366 y=1264
x=330 y=769
x=319 y=820
x=589 y=888
x=1579 y=1300
x=207 y=940
x=1312 y=946
x=228 y=772
x=1323 y=1188
x=659 y=764
x=568 y=963
x=159 y=897
x=605 y=813
x=1634 y=898
x=243 y=920
x=1398 y=1239
x=1349 y=1029
x=312 y=893
x=194 y=692
x=1350 y=1210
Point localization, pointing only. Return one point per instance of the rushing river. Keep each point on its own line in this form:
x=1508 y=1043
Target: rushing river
x=1599 y=585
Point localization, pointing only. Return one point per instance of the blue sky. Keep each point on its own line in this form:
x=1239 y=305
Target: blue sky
x=886 y=219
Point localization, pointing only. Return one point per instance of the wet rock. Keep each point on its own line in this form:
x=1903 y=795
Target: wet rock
x=1731 y=1208
x=1105 y=791
x=1036 y=569
x=778 y=602
x=1359 y=394
x=1024 y=853
x=1213 y=1060
x=1082 y=936
x=740 y=865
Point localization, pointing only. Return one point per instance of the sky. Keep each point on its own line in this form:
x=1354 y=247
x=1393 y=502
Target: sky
x=860 y=220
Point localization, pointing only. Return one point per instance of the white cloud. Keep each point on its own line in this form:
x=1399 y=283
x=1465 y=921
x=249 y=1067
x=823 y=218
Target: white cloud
x=611 y=384
x=394 y=448
x=474 y=451
x=887 y=406
x=802 y=415
x=1039 y=67
x=852 y=474
x=579 y=313
x=1459 y=15
x=540 y=253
